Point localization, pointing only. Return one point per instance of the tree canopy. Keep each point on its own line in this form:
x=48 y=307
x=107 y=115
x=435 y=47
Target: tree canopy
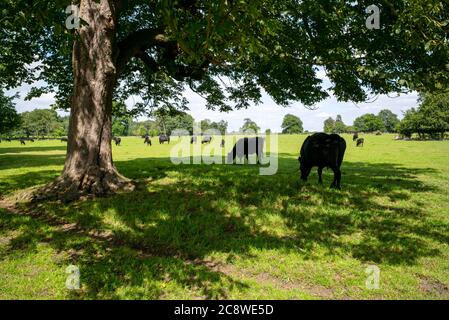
x=389 y=119
x=9 y=119
x=369 y=123
x=249 y=126
x=431 y=118
x=334 y=126
x=275 y=45
x=221 y=126
x=292 y=124
x=42 y=122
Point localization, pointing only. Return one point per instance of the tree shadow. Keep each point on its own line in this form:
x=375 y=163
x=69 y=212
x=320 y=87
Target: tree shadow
x=11 y=184
x=30 y=161
x=179 y=215
x=6 y=149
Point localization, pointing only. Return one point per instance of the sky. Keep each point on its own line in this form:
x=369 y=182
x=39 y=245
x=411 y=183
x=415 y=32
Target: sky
x=267 y=115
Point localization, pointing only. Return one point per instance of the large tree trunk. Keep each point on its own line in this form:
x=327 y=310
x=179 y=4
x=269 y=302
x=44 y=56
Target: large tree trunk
x=89 y=168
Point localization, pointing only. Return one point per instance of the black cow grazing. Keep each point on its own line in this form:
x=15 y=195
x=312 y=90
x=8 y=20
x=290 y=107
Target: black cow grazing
x=378 y=133
x=246 y=146
x=355 y=136
x=163 y=139
x=64 y=140
x=8 y=139
x=193 y=140
x=22 y=141
x=222 y=144
x=323 y=151
x=206 y=139
x=117 y=140
x=360 y=142
x=31 y=140
x=147 y=141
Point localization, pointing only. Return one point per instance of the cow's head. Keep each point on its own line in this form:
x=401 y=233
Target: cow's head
x=304 y=168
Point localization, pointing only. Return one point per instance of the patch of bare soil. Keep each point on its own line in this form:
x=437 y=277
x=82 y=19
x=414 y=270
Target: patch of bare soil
x=434 y=287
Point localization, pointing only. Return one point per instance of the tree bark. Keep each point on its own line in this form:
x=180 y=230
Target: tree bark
x=89 y=168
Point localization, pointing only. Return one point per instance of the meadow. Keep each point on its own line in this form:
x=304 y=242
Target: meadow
x=226 y=232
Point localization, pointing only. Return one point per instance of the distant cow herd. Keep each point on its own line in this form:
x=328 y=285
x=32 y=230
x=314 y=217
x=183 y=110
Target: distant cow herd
x=319 y=150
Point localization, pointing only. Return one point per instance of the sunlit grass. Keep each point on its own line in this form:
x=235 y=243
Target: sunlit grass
x=213 y=231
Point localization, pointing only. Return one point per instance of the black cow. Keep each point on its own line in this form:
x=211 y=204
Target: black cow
x=8 y=139
x=206 y=139
x=246 y=146
x=222 y=144
x=323 y=151
x=22 y=141
x=117 y=140
x=31 y=140
x=163 y=139
x=64 y=140
x=147 y=141
x=355 y=136
x=360 y=142
x=193 y=140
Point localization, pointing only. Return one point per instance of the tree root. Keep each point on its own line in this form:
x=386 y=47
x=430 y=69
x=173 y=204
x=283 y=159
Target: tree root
x=95 y=182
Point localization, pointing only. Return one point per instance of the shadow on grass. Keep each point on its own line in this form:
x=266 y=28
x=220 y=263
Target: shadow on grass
x=7 y=149
x=29 y=161
x=166 y=229
x=26 y=180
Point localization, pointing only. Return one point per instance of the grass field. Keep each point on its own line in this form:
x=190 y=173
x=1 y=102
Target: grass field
x=212 y=231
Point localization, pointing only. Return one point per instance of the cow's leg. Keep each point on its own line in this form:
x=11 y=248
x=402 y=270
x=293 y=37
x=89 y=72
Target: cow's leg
x=320 y=175
x=337 y=178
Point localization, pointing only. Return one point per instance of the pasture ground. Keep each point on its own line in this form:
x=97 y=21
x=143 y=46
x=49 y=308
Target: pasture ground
x=215 y=232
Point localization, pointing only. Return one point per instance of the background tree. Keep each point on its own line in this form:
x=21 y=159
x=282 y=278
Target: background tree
x=389 y=119
x=179 y=121
x=292 y=124
x=9 y=119
x=40 y=122
x=221 y=126
x=339 y=126
x=121 y=119
x=431 y=119
x=369 y=123
x=329 y=125
x=156 y=48
x=144 y=127
x=205 y=125
x=249 y=126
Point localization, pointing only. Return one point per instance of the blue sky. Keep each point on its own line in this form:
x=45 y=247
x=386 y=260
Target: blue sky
x=267 y=115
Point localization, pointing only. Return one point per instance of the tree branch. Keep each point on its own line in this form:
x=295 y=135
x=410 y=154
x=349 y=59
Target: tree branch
x=139 y=41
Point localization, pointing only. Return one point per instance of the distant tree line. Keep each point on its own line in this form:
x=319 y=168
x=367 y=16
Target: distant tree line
x=384 y=121
x=429 y=120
